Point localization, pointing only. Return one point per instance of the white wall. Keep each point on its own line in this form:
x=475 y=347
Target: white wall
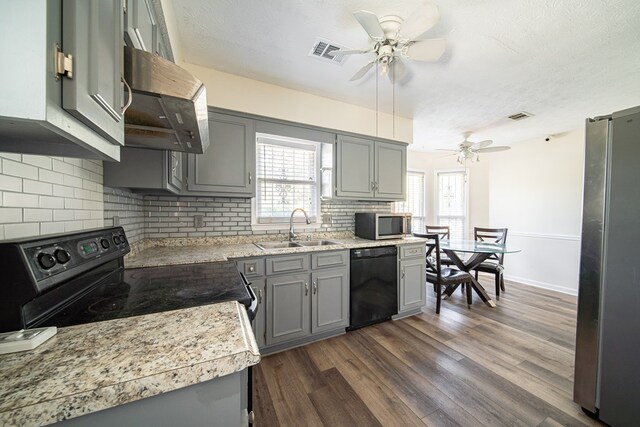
x=478 y=175
x=536 y=191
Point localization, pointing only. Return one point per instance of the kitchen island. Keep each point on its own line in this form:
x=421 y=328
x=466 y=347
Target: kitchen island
x=93 y=367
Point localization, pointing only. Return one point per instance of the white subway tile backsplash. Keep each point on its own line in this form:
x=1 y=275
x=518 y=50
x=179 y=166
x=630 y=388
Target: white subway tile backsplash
x=50 y=176
x=20 y=200
x=17 y=231
x=39 y=161
x=62 y=191
x=37 y=187
x=62 y=214
x=22 y=170
x=72 y=203
x=72 y=181
x=10 y=215
x=37 y=215
x=11 y=156
x=50 y=202
x=62 y=167
x=51 y=228
x=10 y=183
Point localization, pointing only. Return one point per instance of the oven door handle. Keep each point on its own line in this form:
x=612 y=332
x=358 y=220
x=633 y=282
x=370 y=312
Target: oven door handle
x=252 y=310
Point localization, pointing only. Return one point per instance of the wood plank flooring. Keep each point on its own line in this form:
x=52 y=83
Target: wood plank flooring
x=510 y=365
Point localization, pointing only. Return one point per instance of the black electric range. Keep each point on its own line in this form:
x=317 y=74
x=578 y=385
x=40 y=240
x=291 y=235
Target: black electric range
x=77 y=278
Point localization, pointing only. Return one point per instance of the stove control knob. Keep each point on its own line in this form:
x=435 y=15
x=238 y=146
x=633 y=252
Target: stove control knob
x=62 y=256
x=46 y=260
x=123 y=239
x=105 y=243
x=116 y=240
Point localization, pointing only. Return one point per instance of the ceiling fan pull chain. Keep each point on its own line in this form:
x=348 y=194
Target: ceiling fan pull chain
x=376 y=98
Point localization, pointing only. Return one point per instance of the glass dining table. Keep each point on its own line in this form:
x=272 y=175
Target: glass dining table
x=480 y=252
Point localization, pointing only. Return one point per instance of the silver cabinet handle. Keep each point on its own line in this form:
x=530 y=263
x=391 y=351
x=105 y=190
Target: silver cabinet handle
x=306 y=288
x=250 y=179
x=128 y=104
x=315 y=288
x=403 y=273
x=259 y=296
x=373 y=185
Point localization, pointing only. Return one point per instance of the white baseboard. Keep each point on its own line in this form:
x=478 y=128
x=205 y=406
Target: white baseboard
x=543 y=285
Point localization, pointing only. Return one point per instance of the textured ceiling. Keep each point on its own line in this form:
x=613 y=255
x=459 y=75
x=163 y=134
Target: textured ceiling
x=561 y=60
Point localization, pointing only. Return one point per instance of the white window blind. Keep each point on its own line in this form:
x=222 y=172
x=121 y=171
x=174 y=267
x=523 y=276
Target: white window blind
x=452 y=202
x=415 y=201
x=288 y=176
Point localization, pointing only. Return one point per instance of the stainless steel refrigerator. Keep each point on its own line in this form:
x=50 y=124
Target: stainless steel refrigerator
x=607 y=368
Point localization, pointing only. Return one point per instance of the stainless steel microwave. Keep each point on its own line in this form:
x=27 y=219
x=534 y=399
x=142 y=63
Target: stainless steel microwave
x=377 y=226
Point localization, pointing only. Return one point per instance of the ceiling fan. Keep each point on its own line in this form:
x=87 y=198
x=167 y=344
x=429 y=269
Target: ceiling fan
x=395 y=38
x=468 y=150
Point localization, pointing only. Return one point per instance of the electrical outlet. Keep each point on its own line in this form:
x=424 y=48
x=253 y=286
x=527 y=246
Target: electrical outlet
x=327 y=218
x=198 y=221
x=116 y=221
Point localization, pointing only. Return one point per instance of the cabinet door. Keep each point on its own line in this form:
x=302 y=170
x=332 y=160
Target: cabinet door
x=354 y=167
x=141 y=29
x=175 y=169
x=227 y=167
x=412 y=284
x=259 y=323
x=390 y=171
x=92 y=34
x=288 y=307
x=330 y=300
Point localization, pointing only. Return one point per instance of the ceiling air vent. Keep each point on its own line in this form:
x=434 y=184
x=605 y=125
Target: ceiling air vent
x=322 y=47
x=519 y=116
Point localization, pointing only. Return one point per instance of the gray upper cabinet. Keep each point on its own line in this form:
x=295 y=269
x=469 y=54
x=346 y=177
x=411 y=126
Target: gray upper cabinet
x=390 y=170
x=74 y=113
x=370 y=170
x=92 y=34
x=141 y=28
x=354 y=167
x=145 y=171
x=227 y=168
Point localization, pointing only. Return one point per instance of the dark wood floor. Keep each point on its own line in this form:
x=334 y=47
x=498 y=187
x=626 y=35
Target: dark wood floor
x=510 y=365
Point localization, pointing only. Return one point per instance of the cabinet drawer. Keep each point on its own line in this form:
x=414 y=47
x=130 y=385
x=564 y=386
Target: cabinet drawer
x=251 y=267
x=287 y=264
x=329 y=259
x=411 y=251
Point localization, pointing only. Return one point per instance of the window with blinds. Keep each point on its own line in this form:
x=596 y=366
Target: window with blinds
x=452 y=202
x=287 y=178
x=415 y=202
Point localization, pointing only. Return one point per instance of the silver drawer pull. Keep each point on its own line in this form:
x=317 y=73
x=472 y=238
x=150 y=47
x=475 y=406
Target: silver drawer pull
x=315 y=288
x=252 y=269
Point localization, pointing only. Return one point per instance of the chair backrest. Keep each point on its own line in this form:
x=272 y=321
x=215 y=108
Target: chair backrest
x=441 y=230
x=493 y=235
x=433 y=254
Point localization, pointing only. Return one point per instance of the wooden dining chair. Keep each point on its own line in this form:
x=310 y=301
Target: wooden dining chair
x=495 y=263
x=443 y=276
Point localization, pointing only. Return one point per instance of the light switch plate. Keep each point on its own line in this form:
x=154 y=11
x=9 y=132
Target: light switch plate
x=198 y=221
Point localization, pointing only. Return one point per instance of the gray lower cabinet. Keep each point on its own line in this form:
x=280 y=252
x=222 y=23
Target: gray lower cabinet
x=145 y=171
x=227 y=167
x=329 y=299
x=288 y=307
x=370 y=170
x=76 y=113
x=300 y=296
x=412 y=278
x=259 y=323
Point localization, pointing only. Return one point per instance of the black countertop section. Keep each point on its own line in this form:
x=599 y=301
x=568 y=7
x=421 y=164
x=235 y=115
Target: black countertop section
x=138 y=291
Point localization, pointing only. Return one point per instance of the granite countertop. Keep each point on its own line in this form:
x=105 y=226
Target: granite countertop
x=200 y=250
x=95 y=366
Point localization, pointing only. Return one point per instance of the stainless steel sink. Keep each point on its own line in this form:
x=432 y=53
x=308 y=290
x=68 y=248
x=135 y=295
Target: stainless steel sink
x=317 y=242
x=276 y=245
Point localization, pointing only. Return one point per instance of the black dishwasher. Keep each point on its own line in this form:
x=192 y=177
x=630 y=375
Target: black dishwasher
x=374 y=285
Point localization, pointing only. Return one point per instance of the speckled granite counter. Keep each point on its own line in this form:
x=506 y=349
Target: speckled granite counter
x=87 y=368
x=194 y=251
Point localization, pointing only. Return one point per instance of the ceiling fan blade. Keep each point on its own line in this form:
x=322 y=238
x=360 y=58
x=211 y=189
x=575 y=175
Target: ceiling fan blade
x=419 y=22
x=447 y=155
x=362 y=71
x=339 y=53
x=425 y=50
x=481 y=144
x=493 y=149
x=399 y=70
x=447 y=149
x=371 y=24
